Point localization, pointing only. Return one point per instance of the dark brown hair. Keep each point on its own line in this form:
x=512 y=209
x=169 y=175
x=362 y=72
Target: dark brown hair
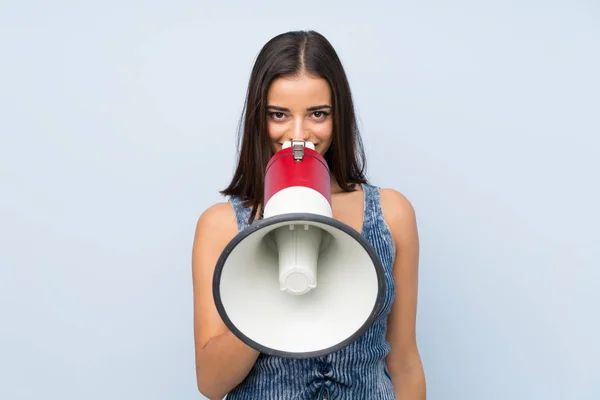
x=290 y=54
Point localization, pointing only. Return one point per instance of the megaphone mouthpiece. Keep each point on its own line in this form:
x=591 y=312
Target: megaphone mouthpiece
x=298 y=142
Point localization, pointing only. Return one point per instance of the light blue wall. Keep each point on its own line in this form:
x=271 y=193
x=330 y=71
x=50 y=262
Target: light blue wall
x=117 y=124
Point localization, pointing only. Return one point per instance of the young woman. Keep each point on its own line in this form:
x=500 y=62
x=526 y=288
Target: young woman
x=298 y=90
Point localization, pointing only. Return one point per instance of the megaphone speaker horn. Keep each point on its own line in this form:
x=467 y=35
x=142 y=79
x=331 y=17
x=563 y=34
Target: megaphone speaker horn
x=298 y=283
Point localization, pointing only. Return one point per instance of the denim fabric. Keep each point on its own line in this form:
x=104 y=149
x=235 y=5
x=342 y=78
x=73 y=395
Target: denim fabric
x=355 y=372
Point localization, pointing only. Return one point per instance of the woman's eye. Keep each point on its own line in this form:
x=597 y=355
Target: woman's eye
x=277 y=115
x=320 y=114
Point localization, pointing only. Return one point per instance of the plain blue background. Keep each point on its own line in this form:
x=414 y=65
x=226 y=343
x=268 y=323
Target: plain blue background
x=118 y=125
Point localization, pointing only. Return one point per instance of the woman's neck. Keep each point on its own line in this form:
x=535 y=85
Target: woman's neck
x=335 y=188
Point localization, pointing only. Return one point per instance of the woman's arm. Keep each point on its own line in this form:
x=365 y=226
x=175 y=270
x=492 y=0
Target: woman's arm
x=222 y=360
x=404 y=360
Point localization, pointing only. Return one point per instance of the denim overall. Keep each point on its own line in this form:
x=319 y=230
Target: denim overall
x=355 y=372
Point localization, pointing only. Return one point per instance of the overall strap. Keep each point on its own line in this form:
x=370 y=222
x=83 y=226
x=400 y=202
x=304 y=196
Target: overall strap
x=242 y=214
x=375 y=228
x=373 y=212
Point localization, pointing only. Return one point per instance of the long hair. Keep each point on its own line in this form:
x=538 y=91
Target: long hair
x=285 y=55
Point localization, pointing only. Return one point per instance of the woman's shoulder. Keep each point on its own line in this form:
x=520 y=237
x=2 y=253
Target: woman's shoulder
x=396 y=199
x=397 y=208
x=218 y=219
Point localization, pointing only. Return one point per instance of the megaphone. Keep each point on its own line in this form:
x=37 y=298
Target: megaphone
x=298 y=283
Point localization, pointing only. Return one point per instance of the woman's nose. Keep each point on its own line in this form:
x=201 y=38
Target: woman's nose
x=299 y=130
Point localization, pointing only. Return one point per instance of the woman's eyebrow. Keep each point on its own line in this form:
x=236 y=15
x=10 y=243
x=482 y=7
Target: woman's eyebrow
x=278 y=108
x=318 y=107
x=313 y=108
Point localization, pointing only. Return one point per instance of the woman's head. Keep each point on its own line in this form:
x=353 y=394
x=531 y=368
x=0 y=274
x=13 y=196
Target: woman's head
x=297 y=89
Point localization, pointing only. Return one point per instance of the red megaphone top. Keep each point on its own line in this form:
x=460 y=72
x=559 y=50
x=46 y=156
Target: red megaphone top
x=297 y=165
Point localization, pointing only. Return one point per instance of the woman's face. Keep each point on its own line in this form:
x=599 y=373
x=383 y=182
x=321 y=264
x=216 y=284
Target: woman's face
x=300 y=108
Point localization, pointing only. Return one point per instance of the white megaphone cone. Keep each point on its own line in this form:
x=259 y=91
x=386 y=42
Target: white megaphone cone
x=298 y=283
